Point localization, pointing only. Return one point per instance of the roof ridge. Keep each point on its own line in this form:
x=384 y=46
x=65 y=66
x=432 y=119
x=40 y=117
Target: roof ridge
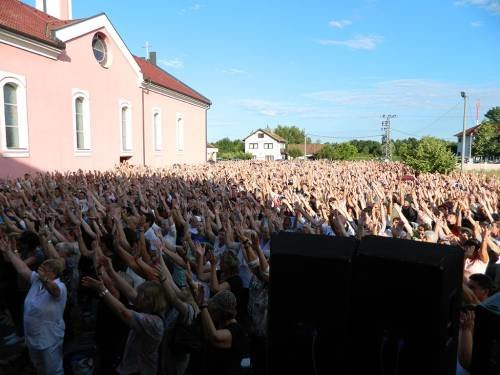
x=38 y=13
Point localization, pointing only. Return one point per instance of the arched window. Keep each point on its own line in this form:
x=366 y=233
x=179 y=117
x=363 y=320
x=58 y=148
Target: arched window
x=126 y=127
x=13 y=115
x=81 y=122
x=11 y=110
x=157 y=131
x=80 y=133
x=180 y=132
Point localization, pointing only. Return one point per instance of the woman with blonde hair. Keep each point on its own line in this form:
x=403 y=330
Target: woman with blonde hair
x=146 y=324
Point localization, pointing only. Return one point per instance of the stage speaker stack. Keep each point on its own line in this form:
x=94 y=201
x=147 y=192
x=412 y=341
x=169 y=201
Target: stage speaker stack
x=309 y=303
x=379 y=306
x=406 y=298
x=486 y=347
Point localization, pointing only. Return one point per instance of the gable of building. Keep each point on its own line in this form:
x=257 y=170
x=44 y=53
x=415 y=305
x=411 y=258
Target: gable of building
x=269 y=133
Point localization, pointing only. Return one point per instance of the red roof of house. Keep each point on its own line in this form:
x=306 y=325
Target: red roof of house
x=164 y=79
x=23 y=19
x=469 y=131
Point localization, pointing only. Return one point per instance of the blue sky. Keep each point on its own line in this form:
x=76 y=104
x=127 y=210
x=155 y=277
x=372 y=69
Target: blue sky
x=330 y=67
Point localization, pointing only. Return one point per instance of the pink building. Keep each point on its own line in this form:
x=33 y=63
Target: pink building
x=73 y=96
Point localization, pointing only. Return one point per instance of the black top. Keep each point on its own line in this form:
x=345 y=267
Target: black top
x=226 y=361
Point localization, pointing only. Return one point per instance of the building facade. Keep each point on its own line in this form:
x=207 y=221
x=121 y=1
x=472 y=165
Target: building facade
x=265 y=145
x=72 y=96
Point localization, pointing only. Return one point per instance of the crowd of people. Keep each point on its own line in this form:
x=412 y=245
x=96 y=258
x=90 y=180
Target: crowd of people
x=141 y=271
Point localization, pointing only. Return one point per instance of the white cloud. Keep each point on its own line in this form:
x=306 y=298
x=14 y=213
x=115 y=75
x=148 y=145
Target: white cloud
x=405 y=93
x=175 y=63
x=273 y=109
x=492 y=6
x=368 y=42
x=476 y=24
x=193 y=8
x=339 y=24
x=233 y=71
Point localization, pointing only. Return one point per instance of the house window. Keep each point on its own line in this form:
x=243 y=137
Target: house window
x=13 y=115
x=126 y=127
x=269 y=157
x=253 y=146
x=180 y=133
x=81 y=121
x=260 y=135
x=157 y=134
x=268 y=146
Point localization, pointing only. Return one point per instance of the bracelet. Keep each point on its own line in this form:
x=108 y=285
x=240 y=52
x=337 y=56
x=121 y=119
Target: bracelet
x=103 y=293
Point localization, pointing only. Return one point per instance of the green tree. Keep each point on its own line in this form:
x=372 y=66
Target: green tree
x=493 y=115
x=487 y=140
x=226 y=145
x=341 y=151
x=430 y=155
x=295 y=152
x=292 y=134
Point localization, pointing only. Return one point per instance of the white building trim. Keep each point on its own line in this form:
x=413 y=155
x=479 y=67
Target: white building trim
x=89 y=25
x=157 y=132
x=28 y=44
x=179 y=133
x=174 y=95
x=125 y=149
x=22 y=114
x=87 y=131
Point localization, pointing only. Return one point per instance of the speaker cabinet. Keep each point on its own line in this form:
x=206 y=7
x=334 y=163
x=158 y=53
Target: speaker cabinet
x=405 y=304
x=486 y=345
x=309 y=303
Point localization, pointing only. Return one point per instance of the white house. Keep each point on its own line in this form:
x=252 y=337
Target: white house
x=212 y=152
x=265 y=145
x=469 y=139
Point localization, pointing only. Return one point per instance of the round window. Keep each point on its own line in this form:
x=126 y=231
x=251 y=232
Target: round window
x=99 y=48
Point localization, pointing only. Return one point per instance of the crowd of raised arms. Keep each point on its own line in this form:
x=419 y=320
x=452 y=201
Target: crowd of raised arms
x=167 y=271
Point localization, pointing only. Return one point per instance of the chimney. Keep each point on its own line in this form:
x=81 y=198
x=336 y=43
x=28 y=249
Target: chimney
x=61 y=9
x=152 y=57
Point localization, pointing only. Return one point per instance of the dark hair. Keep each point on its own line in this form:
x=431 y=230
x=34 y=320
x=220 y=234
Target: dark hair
x=150 y=218
x=130 y=235
x=29 y=241
x=485 y=282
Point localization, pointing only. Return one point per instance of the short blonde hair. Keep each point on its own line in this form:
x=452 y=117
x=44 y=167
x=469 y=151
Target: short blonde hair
x=54 y=265
x=153 y=297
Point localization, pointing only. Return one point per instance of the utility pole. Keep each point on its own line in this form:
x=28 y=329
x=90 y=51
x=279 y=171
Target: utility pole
x=464 y=95
x=386 y=136
x=305 y=145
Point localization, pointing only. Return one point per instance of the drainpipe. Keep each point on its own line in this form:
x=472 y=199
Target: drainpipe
x=143 y=132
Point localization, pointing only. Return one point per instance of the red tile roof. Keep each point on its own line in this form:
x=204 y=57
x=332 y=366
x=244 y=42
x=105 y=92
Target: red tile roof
x=274 y=136
x=23 y=19
x=164 y=79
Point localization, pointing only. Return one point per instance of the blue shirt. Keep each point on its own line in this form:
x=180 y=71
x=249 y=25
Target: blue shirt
x=43 y=315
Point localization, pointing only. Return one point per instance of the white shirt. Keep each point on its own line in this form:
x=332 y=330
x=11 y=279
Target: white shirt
x=43 y=314
x=474 y=266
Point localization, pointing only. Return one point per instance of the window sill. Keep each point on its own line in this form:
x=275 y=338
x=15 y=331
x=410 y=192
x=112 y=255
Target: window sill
x=83 y=153
x=158 y=153
x=15 y=153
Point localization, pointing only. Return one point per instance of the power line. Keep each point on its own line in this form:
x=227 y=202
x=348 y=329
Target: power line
x=437 y=119
x=344 y=137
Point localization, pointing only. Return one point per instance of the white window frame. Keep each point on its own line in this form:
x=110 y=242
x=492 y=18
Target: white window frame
x=159 y=134
x=253 y=146
x=87 y=131
x=123 y=151
x=179 y=132
x=268 y=146
x=22 y=115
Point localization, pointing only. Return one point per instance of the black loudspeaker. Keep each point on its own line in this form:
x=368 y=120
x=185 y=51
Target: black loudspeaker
x=405 y=305
x=486 y=344
x=309 y=303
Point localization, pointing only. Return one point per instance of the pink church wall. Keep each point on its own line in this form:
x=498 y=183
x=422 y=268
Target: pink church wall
x=49 y=86
x=194 y=131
